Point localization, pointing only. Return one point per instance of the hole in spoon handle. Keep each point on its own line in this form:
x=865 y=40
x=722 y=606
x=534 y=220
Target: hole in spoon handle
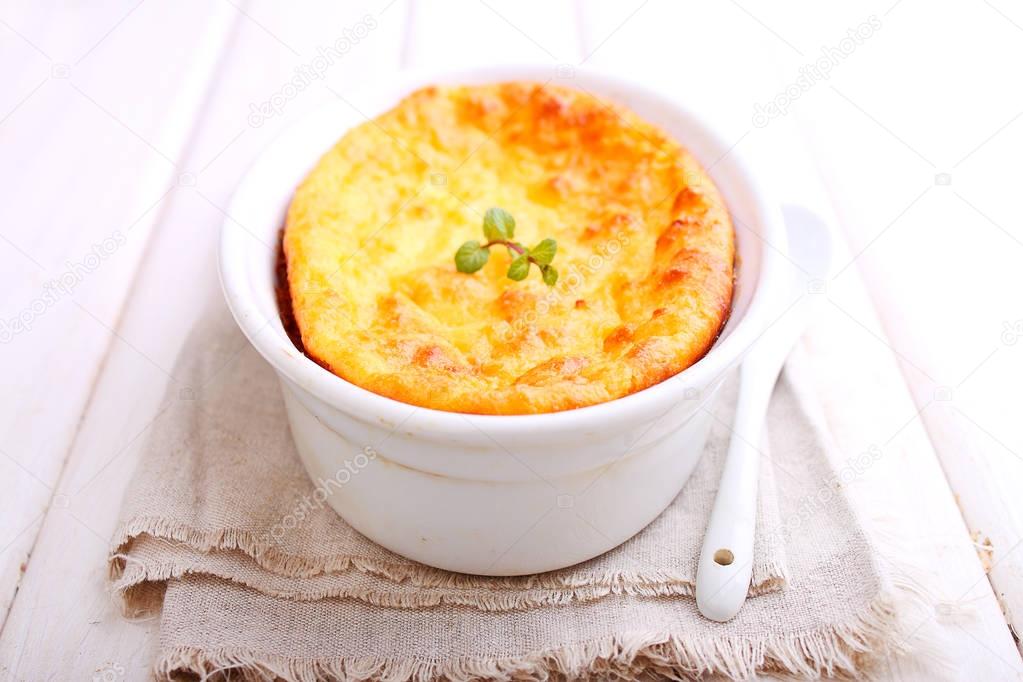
x=724 y=557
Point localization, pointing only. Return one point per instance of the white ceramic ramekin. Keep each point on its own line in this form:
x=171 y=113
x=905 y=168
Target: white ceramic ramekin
x=493 y=495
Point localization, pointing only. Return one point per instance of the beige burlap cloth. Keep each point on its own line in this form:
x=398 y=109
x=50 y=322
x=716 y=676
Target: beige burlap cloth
x=256 y=579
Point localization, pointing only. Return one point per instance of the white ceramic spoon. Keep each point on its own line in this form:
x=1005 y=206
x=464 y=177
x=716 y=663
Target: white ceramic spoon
x=726 y=560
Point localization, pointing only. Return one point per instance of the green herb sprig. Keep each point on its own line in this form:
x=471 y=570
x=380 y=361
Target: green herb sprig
x=499 y=228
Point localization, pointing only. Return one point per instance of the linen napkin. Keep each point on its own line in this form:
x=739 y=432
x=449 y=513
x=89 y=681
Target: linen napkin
x=258 y=579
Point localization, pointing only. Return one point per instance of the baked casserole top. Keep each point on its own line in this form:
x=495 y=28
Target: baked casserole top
x=645 y=252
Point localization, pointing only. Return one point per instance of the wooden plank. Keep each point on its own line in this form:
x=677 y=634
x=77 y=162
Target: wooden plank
x=94 y=118
x=678 y=48
x=463 y=33
x=865 y=398
x=939 y=243
x=63 y=624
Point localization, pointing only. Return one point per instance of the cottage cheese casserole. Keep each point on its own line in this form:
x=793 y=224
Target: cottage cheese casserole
x=645 y=252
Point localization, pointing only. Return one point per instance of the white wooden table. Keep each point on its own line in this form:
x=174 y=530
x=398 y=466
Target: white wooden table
x=125 y=126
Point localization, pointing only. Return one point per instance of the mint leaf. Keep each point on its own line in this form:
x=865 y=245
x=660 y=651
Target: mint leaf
x=470 y=257
x=519 y=268
x=543 y=253
x=498 y=225
x=550 y=275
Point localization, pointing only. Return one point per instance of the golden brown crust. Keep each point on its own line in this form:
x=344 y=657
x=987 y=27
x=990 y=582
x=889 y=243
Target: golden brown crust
x=645 y=252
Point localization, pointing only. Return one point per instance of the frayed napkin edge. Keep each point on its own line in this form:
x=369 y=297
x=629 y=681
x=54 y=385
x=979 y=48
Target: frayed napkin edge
x=847 y=650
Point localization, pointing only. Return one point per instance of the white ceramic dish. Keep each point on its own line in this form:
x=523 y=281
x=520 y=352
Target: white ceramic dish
x=493 y=495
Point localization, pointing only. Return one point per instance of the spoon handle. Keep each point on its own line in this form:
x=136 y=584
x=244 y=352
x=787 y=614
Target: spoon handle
x=726 y=560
